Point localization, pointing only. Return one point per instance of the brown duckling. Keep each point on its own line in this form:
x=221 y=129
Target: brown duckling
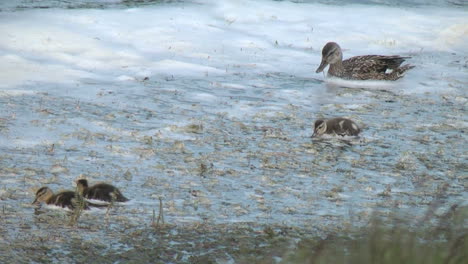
x=368 y=67
x=336 y=126
x=100 y=191
x=65 y=199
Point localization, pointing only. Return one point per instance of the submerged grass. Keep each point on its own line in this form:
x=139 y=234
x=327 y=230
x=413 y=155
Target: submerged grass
x=160 y=216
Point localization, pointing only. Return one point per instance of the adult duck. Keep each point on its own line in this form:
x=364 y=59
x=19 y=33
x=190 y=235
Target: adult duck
x=368 y=67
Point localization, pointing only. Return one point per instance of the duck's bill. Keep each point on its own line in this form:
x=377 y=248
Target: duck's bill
x=322 y=66
x=35 y=201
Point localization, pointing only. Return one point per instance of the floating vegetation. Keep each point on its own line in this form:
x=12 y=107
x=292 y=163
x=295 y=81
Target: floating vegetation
x=156 y=224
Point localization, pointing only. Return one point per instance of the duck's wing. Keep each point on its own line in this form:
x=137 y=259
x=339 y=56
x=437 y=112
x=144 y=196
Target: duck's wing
x=344 y=127
x=64 y=199
x=99 y=191
x=372 y=66
x=105 y=192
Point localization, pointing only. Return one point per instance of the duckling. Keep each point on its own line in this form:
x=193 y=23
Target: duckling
x=368 y=67
x=64 y=199
x=336 y=126
x=100 y=191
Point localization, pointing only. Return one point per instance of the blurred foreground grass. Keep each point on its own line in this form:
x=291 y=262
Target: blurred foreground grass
x=438 y=237
x=433 y=239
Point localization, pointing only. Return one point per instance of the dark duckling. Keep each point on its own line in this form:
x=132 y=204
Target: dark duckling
x=368 y=67
x=101 y=191
x=64 y=199
x=336 y=126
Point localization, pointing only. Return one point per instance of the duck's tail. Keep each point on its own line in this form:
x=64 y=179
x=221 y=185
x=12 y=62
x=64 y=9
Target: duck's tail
x=119 y=197
x=122 y=199
x=400 y=71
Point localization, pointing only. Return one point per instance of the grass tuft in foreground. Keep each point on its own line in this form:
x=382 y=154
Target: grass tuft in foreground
x=435 y=240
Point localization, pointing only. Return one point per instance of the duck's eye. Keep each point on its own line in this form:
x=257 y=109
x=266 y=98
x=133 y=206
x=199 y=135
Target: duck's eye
x=331 y=52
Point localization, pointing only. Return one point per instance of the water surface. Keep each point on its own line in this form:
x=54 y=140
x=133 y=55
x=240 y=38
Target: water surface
x=210 y=106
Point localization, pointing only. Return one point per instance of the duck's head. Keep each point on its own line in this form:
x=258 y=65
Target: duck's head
x=331 y=53
x=81 y=184
x=42 y=195
x=320 y=126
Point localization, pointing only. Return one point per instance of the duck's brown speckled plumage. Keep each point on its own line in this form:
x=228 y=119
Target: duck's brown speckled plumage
x=65 y=199
x=368 y=67
x=336 y=126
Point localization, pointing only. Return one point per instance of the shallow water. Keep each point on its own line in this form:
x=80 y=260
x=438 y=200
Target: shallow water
x=210 y=106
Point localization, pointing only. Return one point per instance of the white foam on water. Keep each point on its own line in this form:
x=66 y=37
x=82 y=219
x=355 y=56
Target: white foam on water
x=16 y=92
x=368 y=84
x=204 y=97
x=62 y=46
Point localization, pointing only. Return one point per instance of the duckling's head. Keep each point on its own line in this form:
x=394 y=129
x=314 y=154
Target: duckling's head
x=81 y=184
x=320 y=126
x=331 y=54
x=42 y=195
